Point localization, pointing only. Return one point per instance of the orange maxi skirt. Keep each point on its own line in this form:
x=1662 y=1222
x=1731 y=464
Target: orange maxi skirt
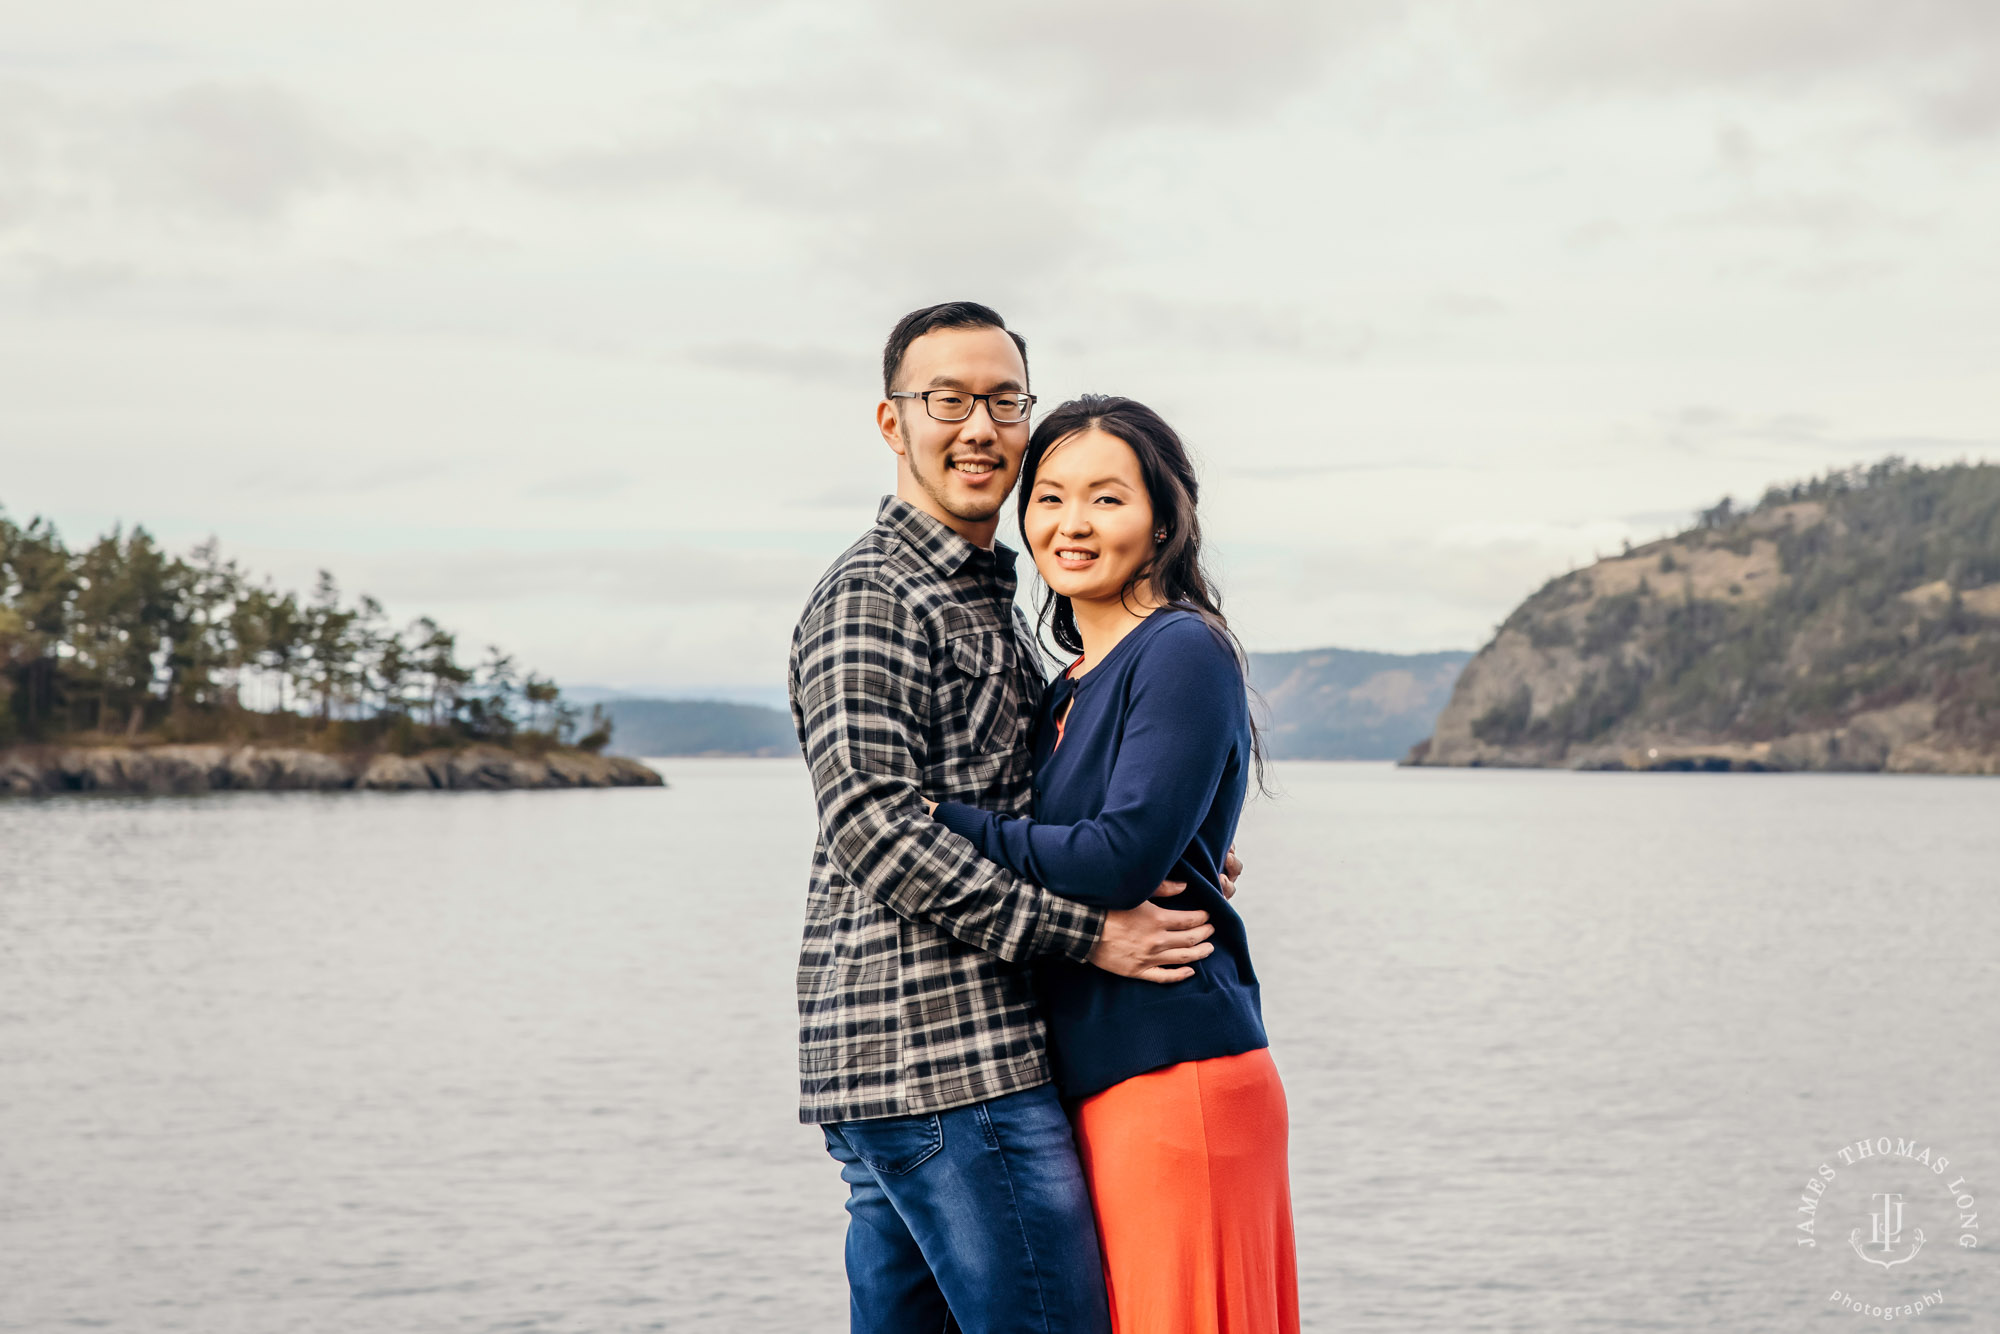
x=1187 y=1173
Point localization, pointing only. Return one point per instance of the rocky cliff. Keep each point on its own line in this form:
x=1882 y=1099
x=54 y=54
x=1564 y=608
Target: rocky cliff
x=1849 y=623
x=40 y=770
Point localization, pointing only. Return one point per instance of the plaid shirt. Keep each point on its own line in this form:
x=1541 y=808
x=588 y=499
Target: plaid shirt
x=914 y=676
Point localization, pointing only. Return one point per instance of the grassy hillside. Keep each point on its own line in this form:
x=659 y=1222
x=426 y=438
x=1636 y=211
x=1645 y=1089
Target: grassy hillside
x=1851 y=622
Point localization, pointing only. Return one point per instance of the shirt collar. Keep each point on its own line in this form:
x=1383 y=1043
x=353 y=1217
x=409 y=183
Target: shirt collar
x=946 y=550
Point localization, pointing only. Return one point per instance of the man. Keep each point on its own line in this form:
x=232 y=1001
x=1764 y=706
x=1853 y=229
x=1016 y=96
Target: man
x=922 y=1058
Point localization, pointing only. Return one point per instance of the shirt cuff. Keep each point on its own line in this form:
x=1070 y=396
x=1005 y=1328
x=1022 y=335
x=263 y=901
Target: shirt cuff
x=1067 y=928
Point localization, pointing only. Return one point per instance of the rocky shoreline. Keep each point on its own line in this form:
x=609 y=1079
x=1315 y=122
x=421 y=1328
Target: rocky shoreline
x=1899 y=740
x=45 y=770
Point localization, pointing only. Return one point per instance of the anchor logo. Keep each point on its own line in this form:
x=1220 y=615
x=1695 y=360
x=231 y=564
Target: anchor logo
x=1887 y=1233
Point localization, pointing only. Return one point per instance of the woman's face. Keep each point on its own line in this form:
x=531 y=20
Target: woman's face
x=1089 y=523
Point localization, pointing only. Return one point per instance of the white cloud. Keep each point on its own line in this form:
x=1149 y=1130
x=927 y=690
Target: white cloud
x=1939 y=60
x=204 y=152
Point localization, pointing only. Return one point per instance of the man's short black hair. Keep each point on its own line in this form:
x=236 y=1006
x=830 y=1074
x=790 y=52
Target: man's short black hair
x=950 y=315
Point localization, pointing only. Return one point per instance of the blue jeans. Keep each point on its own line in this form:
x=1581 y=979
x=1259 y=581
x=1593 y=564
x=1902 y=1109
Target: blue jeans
x=978 y=1215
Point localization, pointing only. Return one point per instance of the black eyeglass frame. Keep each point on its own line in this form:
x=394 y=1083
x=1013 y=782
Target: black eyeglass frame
x=1026 y=411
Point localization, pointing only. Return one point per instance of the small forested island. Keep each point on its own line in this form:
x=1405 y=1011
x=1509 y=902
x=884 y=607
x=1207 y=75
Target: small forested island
x=125 y=668
x=1847 y=623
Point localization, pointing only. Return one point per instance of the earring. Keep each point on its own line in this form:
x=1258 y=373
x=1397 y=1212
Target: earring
x=1159 y=535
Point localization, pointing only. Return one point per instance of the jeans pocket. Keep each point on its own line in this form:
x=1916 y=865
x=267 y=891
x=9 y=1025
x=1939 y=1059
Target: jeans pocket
x=894 y=1145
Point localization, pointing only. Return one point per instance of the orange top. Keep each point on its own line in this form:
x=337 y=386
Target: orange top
x=1070 y=672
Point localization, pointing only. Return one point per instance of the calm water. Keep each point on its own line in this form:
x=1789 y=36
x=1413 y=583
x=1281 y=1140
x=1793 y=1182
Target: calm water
x=1562 y=1051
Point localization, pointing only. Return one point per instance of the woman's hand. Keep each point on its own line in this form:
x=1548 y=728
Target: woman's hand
x=1232 y=866
x=930 y=808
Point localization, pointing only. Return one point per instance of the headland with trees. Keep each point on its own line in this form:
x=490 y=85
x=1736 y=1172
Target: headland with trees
x=1850 y=622
x=127 y=667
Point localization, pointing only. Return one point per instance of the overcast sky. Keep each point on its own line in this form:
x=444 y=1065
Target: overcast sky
x=560 y=321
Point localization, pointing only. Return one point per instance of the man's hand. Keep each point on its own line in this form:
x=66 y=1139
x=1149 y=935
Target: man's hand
x=1152 y=942
x=1232 y=866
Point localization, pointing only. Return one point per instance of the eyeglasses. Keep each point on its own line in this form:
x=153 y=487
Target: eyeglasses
x=955 y=405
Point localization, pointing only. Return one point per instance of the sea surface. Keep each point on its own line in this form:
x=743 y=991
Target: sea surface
x=1563 y=1052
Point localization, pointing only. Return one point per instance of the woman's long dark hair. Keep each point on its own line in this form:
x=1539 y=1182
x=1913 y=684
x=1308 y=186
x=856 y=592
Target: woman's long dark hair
x=1176 y=571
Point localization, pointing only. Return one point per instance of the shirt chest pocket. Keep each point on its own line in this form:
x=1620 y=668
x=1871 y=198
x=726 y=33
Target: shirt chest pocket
x=979 y=670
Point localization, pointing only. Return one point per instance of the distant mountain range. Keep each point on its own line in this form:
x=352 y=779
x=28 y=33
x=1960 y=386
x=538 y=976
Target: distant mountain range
x=1318 y=704
x=1852 y=622
x=1345 y=704
x=771 y=697
x=666 y=727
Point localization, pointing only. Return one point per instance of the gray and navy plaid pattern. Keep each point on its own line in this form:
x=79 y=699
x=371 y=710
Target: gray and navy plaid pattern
x=913 y=675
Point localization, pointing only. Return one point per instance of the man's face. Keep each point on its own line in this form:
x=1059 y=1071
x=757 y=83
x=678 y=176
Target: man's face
x=965 y=468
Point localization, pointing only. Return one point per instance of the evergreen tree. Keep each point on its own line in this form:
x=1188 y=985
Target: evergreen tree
x=123 y=636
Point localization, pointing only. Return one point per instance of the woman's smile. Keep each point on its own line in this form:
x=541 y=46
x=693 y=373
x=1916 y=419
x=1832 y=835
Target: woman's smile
x=1089 y=521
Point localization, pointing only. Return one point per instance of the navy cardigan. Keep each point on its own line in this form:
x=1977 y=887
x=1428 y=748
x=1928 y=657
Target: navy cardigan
x=1146 y=786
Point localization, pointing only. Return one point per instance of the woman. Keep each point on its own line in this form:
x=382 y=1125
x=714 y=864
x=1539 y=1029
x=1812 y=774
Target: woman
x=1144 y=749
